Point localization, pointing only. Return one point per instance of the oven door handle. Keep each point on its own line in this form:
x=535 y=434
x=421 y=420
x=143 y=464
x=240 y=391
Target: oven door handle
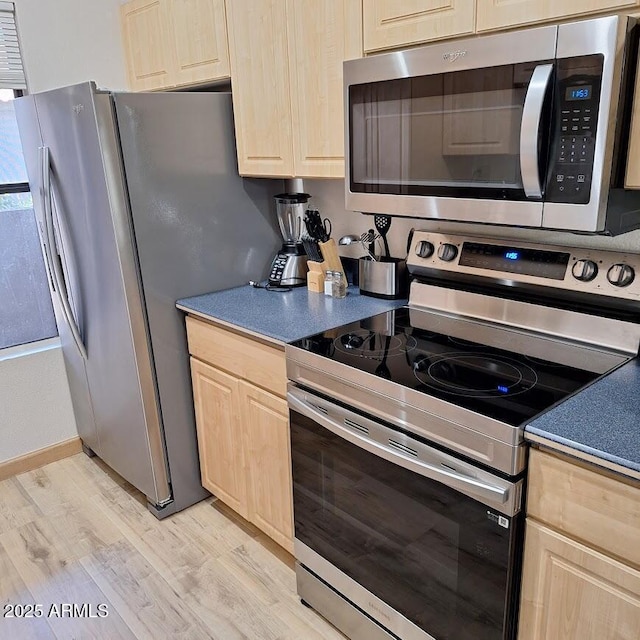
x=470 y=486
x=530 y=128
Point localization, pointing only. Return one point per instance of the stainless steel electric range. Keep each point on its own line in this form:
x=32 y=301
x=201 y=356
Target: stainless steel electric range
x=408 y=454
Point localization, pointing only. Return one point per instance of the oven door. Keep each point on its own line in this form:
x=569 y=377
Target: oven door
x=452 y=132
x=423 y=543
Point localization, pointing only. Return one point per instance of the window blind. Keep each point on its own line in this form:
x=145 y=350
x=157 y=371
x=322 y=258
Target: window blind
x=11 y=71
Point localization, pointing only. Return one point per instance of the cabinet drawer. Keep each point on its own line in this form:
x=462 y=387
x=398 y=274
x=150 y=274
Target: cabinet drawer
x=595 y=508
x=245 y=358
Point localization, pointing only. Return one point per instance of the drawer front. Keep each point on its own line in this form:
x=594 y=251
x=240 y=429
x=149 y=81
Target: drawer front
x=598 y=509
x=245 y=358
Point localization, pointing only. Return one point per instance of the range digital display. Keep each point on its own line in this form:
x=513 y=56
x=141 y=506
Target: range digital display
x=532 y=262
x=580 y=92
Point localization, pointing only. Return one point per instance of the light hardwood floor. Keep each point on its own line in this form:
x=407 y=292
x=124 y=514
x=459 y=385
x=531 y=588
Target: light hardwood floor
x=74 y=532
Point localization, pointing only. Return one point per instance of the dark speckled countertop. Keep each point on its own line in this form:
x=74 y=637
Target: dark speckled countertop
x=284 y=317
x=600 y=424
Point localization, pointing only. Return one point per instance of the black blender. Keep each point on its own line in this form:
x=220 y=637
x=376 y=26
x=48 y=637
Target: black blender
x=289 y=267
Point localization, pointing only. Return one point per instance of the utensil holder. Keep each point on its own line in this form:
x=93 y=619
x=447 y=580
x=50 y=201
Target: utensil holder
x=383 y=278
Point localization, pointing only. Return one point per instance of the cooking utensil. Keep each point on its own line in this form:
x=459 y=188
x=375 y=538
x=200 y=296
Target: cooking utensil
x=382 y=224
x=368 y=239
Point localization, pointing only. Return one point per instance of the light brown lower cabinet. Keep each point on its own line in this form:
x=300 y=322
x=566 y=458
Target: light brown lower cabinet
x=572 y=592
x=243 y=429
x=581 y=576
x=216 y=397
x=268 y=453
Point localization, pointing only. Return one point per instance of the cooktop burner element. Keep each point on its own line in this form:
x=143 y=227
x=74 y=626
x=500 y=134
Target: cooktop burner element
x=369 y=344
x=476 y=375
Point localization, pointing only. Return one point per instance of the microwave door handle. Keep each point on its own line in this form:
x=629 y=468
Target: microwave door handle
x=529 y=130
x=56 y=269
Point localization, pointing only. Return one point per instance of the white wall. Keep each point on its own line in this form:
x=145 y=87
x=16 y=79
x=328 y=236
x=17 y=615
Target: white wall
x=63 y=42
x=70 y=41
x=35 y=406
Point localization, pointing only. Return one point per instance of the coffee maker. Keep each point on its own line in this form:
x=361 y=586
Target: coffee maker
x=289 y=267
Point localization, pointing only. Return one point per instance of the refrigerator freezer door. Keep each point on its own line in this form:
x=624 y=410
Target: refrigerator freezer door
x=31 y=138
x=97 y=254
x=199 y=227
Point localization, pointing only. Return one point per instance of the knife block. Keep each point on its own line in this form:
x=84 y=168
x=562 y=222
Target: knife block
x=317 y=270
x=315 y=276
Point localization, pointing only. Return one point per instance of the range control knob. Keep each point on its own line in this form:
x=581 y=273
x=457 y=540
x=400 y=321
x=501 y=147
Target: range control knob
x=584 y=270
x=447 y=252
x=621 y=275
x=424 y=249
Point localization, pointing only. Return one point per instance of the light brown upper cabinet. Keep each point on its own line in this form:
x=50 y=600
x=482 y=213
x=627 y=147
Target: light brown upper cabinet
x=286 y=72
x=390 y=24
x=170 y=43
x=498 y=14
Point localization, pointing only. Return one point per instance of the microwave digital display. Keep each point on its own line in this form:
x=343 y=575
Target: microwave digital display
x=581 y=92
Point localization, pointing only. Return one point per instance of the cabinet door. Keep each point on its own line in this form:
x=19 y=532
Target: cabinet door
x=497 y=14
x=222 y=460
x=261 y=88
x=200 y=40
x=268 y=450
x=571 y=592
x=322 y=35
x=145 y=34
x=391 y=24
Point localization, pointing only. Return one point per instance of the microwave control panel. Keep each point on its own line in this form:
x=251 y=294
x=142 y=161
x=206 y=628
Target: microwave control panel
x=577 y=96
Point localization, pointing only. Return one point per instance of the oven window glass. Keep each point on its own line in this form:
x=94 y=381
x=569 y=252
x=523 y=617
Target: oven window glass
x=433 y=134
x=439 y=558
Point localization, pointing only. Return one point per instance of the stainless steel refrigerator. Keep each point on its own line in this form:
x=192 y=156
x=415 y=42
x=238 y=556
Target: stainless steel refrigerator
x=139 y=203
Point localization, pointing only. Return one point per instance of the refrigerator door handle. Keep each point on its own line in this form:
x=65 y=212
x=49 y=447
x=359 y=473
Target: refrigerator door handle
x=44 y=231
x=50 y=244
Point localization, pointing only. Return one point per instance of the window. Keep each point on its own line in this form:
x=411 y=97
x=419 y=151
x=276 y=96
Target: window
x=26 y=312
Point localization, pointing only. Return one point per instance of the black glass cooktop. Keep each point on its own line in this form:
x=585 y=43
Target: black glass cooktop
x=497 y=376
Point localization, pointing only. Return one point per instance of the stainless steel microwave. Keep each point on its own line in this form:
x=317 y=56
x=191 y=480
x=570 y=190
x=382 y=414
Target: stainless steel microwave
x=527 y=128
